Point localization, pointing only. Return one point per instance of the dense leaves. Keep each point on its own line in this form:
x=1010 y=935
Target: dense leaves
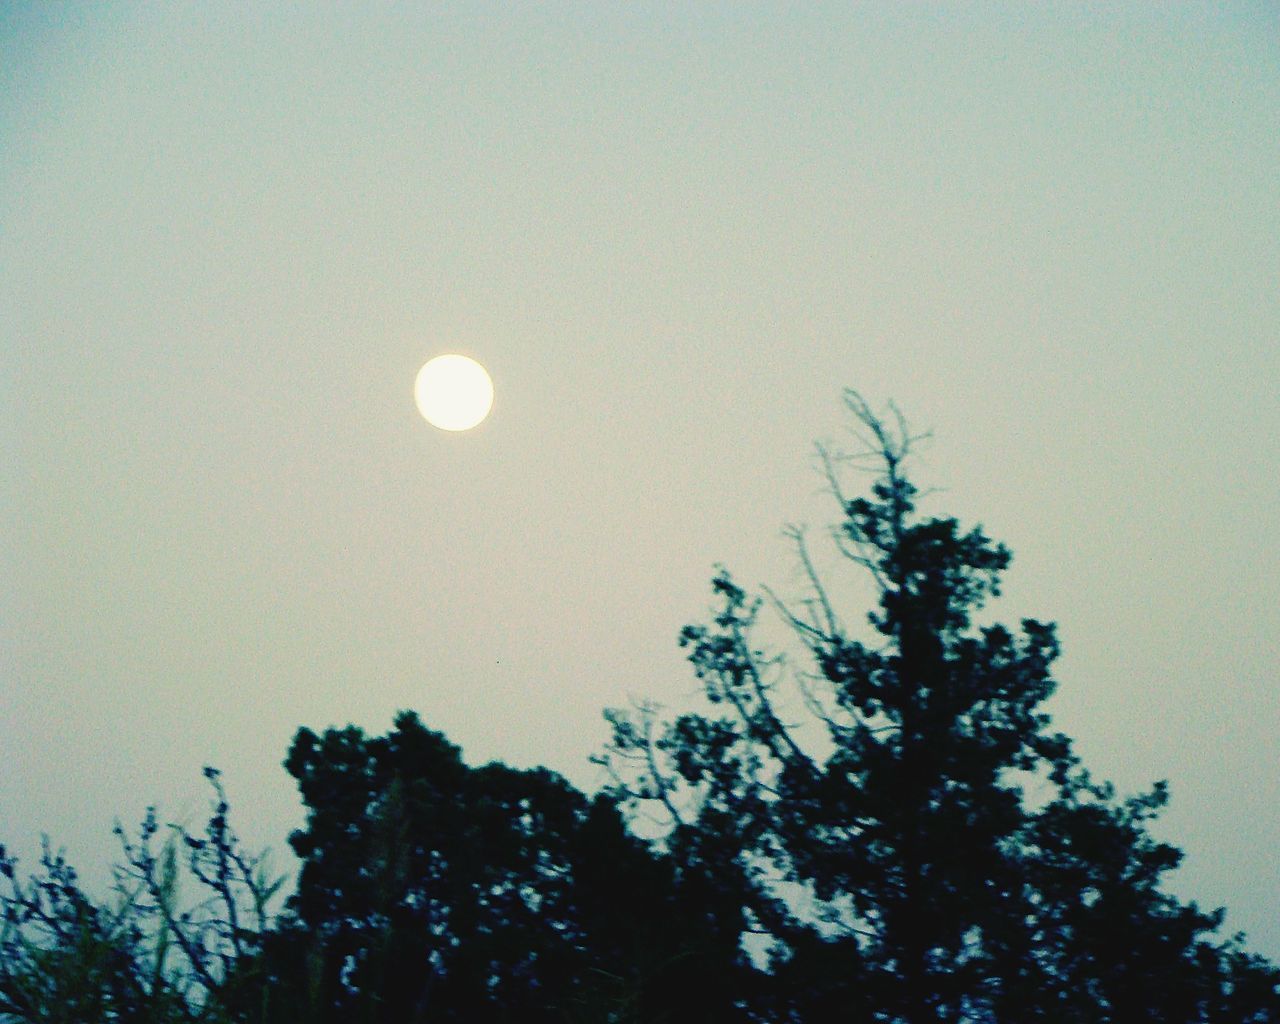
x=436 y=891
x=918 y=845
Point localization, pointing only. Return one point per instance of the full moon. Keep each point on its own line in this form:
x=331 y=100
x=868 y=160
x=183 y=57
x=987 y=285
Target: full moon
x=453 y=392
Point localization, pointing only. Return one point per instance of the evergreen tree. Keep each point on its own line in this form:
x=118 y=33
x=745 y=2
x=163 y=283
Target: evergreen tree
x=889 y=852
x=434 y=891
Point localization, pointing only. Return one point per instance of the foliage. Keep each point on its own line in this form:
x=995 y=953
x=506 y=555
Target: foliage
x=442 y=892
x=888 y=848
x=150 y=954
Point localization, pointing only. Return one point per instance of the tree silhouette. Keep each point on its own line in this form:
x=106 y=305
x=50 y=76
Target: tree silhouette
x=435 y=891
x=881 y=827
x=180 y=939
x=888 y=848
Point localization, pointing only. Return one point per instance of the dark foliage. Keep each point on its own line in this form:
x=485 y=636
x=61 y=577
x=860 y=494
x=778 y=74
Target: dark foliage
x=153 y=953
x=880 y=827
x=888 y=848
x=434 y=891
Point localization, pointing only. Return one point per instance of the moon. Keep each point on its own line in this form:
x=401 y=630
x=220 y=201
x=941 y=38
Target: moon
x=453 y=392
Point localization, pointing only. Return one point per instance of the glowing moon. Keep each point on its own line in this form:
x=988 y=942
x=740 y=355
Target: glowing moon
x=453 y=392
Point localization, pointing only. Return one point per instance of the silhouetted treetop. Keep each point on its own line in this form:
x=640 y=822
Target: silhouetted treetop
x=434 y=891
x=865 y=798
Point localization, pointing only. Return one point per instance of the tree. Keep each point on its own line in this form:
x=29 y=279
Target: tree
x=153 y=953
x=429 y=890
x=888 y=851
x=434 y=891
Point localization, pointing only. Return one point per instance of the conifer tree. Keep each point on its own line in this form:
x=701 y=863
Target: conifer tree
x=897 y=854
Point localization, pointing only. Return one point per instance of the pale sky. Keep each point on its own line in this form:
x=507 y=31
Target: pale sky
x=230 y=234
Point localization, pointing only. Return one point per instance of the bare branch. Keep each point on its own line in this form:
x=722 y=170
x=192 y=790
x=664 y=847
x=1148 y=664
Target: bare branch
x=661 y=787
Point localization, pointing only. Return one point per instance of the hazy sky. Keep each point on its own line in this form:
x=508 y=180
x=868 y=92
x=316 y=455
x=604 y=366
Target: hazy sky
x=231 y=233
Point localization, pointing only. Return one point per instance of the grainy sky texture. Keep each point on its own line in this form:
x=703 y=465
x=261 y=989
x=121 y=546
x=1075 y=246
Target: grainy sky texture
x=231 y=233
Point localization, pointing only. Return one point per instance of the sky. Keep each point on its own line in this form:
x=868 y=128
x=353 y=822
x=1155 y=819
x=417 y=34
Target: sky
x=230 y=234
